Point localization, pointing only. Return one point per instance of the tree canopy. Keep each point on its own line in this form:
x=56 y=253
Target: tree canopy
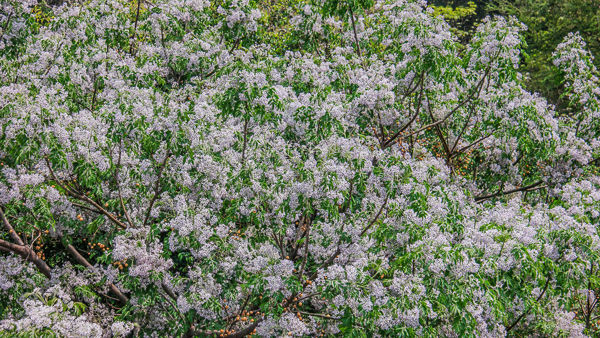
x=334 y=168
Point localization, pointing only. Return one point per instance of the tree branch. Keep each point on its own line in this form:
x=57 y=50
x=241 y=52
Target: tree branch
x=119 y=188
x=502 y=193
x=169 y=291
x=29 y=255
x=156 y=187
x=462 y=103
x=13 y=234
x=461 y=150
x=21 y=249
x=79 y=258
x=389 y=142
x=354 y=30
x=137 y=16
x=376 y=217
x=84 y=198
x=528 y=310
x=239 y=334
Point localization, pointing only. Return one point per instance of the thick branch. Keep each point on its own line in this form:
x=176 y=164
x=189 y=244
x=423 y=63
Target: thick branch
x=169 y=292
x=29 y=255
x=10 y=229
x=79 y=258
x=21 y=249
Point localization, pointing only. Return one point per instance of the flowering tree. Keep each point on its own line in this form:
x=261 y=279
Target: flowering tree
x=212 y=169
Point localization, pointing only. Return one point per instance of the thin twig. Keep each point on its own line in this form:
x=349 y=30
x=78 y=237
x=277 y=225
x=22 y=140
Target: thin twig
x=462 y=103
x=156 y=187
x=529 y=309
x=317 y=315
x=483 y=198
x=84 y=198
x=119 y=188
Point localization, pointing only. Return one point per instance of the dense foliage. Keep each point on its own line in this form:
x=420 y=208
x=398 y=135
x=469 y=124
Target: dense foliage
x=336 y=168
